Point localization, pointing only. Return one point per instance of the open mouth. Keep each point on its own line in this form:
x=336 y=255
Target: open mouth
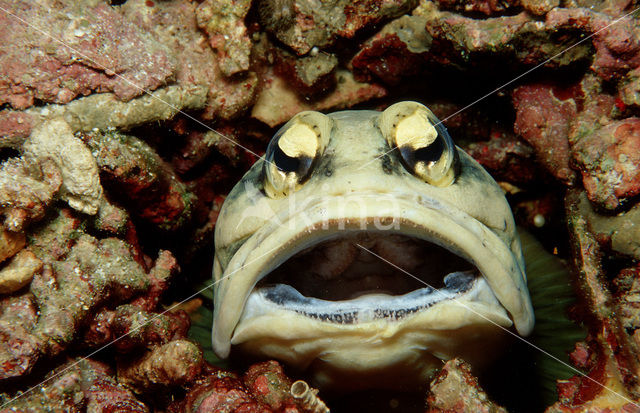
x=365 y=276
x=304 y=275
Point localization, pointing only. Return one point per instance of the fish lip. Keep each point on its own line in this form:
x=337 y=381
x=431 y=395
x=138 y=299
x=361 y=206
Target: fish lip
x=364 y=309
x=420 y=217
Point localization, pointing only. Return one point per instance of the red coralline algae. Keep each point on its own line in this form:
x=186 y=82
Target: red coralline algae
x=450 y=39
x=542 y=119
x=599 y=391
x=399 y=49
x=80 y=274
x=73 y=281
x=218 y=391
x=20 y=349
x=75 y=50
x=263 y=388
x=77 y=386
x=15 y=127
x=269 y=385
x=134 y=328
x=609 y=160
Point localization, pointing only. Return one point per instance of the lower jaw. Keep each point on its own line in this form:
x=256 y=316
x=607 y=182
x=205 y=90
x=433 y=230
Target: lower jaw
x=380 y=353
x=403 y=363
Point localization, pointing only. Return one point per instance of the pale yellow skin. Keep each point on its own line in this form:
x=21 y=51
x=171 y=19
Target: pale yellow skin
x=350 y=187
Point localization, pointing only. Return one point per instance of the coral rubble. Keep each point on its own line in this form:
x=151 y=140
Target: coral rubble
x=456 y=389
x=124 y=124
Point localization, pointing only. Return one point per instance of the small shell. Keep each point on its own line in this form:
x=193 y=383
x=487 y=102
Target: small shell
x=308 y=397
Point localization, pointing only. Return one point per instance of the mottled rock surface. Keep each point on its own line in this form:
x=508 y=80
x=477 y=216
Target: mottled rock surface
x=456 y=389
x=125 y=123
x=609 y=160
x=75 y=50
x=543 y=119
x=303 y=24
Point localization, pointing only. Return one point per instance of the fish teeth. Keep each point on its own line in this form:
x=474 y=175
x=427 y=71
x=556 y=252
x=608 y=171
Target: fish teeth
x=367 y=307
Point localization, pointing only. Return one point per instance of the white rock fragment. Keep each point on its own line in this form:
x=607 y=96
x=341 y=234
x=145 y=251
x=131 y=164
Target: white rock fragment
x=19 y=271
x=81 y=187
x=10 y=243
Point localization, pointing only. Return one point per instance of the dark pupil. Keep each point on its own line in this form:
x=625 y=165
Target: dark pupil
x=430 y=153
x=284 y=162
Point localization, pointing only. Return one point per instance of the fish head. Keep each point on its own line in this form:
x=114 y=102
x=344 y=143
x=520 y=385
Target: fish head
x=366 y=244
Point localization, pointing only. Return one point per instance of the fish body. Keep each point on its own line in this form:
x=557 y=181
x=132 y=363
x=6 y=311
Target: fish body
x=367 y=245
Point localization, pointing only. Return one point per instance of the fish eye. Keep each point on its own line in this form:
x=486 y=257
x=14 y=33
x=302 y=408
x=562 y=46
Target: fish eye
x=426 y=149
x=293 y=151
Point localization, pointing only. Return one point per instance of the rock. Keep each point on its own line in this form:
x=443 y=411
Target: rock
x=627 y=295
x=19 y=271
x=173 y=23
x=68 y=291
x=456 y=389
x=596 y=108
x=616 y=39
x=617 y=363
x=263 y=388
x=103 y=393
x=609 y=160
x=309 y=75
x=88 y=48
x=112 y=220
x=269 y=385
x=79 y=275
x=134 y=328
x=20 y=349
x=302 y=24
x=620 y=232
x=174 y=363
x=432 y=36
x=80 y=181
x=153 y=190
x=105 y=111
x=10 y=244
x=224 y=23
x=79 y=385
x=401 y=48
x=517 y=37
x=487 y=7
x=507 y=158
x=540 y=7
x=27 y=187
x=15 y=127
x=629 y=89
x=277 y=102
x=218 y=391
x=197 y=149
x=543 y=119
